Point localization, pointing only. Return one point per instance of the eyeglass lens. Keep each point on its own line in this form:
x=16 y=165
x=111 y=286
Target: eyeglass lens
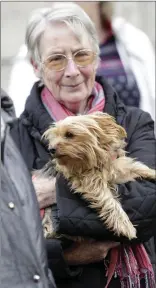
x=58 y=62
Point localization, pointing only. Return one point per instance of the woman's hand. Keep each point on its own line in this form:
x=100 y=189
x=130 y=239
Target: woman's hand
x=88 y=251
x=45 y=191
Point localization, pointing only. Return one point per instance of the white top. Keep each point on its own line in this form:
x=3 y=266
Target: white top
x=136 y=52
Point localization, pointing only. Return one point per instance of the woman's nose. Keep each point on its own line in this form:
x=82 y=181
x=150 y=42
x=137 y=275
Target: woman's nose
x=71 y=69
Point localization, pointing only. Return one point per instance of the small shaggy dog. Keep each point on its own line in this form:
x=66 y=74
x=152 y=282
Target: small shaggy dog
x=89 y=151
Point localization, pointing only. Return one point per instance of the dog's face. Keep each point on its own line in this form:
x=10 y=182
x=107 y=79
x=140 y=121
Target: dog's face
x=84 y=141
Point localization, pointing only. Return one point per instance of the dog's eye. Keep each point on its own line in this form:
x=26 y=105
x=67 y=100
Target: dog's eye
x=98 y=139
x=69 y=135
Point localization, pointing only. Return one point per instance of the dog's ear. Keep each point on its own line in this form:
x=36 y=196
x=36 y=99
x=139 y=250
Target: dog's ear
x=122 y=132
x=108 y=125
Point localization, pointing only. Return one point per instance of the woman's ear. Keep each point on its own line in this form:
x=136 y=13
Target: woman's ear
x=35 y=68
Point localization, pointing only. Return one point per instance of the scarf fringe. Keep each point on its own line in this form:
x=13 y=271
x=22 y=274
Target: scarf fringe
x=148 y=281
x=132 y=266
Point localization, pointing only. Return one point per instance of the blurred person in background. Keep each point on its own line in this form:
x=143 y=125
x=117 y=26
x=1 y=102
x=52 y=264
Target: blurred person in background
x=127 y=61
x=23 y=254
x=63 y=48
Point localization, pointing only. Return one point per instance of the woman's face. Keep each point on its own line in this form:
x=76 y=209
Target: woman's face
x=73 y=85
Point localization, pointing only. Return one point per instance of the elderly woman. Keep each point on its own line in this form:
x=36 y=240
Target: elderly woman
x=63 y=49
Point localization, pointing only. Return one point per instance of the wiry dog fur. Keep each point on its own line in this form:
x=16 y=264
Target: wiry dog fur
x=89 y=151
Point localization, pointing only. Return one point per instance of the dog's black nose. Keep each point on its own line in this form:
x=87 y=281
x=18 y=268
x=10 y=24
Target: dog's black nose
x=52 y=151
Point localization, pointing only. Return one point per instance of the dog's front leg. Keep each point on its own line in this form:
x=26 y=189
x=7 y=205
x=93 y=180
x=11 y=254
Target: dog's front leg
x=109 y=210
x=126 y=169
x=115 y=217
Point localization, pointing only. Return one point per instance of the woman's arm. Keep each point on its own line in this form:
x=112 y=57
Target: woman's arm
x=44 y=183
x=88 y=251
x=139 y=198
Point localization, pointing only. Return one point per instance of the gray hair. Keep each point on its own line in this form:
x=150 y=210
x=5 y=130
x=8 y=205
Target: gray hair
x=71 y=14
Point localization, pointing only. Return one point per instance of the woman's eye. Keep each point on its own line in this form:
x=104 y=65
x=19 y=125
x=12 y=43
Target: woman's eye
x=69 y=135
x=57 y=58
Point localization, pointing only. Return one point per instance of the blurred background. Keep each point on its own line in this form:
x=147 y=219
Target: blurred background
x=14 y=16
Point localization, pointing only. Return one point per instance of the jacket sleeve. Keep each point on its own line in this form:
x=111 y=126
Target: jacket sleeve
x=139 y=197
x=57 y=263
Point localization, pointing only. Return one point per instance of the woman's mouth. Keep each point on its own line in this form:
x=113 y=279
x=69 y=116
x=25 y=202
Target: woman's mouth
x=72 y=86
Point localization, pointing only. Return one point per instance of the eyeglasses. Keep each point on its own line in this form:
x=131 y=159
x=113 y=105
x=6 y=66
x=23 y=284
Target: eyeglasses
x=58 y=62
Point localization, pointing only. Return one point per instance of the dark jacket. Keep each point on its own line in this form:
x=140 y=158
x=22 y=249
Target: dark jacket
x=138 y=198
x=23 y=254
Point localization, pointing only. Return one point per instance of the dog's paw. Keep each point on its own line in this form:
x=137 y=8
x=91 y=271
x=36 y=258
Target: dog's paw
x=128 y=230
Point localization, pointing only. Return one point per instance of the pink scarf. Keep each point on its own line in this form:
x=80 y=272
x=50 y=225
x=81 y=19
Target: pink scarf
x=132 y=265
x=58 y=111
x=130 y=262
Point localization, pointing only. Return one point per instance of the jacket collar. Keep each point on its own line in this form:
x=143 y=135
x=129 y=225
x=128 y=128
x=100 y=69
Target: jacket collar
x=7 y=105
x=113 y=105
x=35 y=114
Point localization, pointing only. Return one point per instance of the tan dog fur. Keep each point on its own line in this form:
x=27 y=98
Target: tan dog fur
x=90 y=154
